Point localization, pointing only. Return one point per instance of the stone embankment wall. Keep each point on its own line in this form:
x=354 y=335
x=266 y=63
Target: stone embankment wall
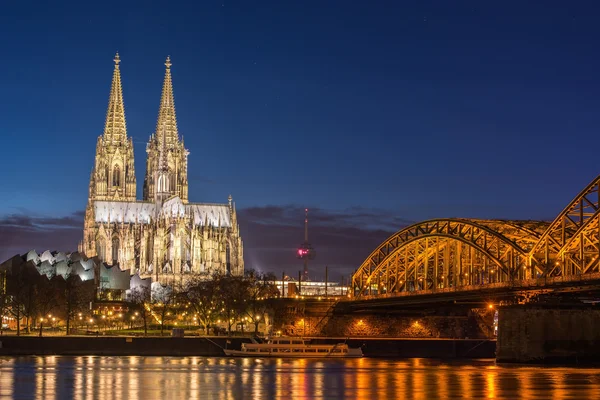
x=115 y=346
x=548 y=333
x=304 y=318
x=173 y=346
x=386 y=326
x=397 y=326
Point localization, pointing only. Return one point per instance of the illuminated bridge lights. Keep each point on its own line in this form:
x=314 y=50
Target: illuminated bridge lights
x=453 y=254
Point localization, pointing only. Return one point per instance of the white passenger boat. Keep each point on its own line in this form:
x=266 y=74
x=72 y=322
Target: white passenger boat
x=294 y=348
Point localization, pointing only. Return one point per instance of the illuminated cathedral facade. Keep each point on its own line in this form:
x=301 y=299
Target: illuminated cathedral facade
x=162 y=236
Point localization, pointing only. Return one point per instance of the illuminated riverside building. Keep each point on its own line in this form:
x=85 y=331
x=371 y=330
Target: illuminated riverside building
x=107 y=285
x=163 y=236
x=110 y=282
x=291 y=288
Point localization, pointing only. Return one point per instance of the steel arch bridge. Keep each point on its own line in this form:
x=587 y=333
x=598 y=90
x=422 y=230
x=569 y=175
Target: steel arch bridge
x=464 y=254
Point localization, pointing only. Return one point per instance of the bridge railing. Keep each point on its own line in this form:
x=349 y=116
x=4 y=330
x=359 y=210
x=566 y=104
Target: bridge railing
x=516 y=284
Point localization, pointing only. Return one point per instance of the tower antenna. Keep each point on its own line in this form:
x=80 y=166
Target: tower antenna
x=306 y=224
x=306 y=251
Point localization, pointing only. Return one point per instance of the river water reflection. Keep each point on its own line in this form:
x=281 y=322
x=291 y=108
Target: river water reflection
x=222 y=378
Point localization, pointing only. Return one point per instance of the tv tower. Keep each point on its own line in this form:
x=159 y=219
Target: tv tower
x=306 y=251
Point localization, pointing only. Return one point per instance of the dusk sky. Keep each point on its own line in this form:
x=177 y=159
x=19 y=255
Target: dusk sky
x=372 y=114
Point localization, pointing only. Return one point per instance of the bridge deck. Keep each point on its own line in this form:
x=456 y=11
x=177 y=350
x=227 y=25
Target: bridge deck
x=476 y=293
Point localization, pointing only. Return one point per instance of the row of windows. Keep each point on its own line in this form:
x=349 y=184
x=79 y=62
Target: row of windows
x=294 y=350
x=101 y=252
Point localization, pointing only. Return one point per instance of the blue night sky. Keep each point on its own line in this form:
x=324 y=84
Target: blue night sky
x=371 y=114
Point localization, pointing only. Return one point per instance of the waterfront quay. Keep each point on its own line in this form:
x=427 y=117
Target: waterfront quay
x=213 y=346
x=512 y=333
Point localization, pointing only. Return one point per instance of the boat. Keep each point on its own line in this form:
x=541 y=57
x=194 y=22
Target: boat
x=294 y=348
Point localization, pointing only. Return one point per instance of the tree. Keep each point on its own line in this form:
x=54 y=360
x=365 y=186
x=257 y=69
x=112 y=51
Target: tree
x=45 y=300
x=203 y=296
x=163 y=300
x=140 y=300
x=260 y=288
x=233 y=296
x=19 y=287
x=76 y=297
x=27 y=300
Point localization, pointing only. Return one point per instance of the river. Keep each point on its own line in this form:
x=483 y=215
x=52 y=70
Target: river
x=90 y=377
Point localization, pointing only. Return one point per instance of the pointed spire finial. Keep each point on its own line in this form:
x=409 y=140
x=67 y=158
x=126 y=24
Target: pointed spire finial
x=115 y=129
x=166 y=126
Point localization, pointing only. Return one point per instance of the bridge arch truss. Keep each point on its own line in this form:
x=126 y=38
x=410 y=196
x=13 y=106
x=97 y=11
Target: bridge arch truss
x=571 y=244
x=445 y=253
x=466 y=253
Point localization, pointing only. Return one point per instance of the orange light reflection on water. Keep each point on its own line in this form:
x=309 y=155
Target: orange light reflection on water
x=198 y=377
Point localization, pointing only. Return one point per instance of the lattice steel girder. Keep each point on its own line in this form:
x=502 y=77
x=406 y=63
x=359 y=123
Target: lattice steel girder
x=524 y=233
x=430 y=266
x=581 y=253
x=570 y=245
x=496 y=247
x=417 y=264
x=567 y=224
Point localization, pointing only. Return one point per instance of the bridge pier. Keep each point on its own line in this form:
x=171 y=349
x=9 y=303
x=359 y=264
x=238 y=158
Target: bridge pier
x=535 y=333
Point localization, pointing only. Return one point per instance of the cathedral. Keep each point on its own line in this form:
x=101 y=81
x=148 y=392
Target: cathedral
x=163 y=236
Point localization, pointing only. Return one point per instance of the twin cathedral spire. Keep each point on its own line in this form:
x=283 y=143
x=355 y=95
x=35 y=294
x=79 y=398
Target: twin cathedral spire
x=113 y=176
x=163 y=235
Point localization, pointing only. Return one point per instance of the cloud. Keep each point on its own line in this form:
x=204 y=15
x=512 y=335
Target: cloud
x=342 y=238
x=271 y=235
x=24 y=231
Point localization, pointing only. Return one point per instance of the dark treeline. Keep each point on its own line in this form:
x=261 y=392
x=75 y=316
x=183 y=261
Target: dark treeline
x=215 y=301
x=34 y=300
x=210 y=301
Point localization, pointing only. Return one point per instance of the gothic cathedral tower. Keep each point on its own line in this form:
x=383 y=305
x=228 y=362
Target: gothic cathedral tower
x=166 y=163
x=163 y=236
x=113 y=173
